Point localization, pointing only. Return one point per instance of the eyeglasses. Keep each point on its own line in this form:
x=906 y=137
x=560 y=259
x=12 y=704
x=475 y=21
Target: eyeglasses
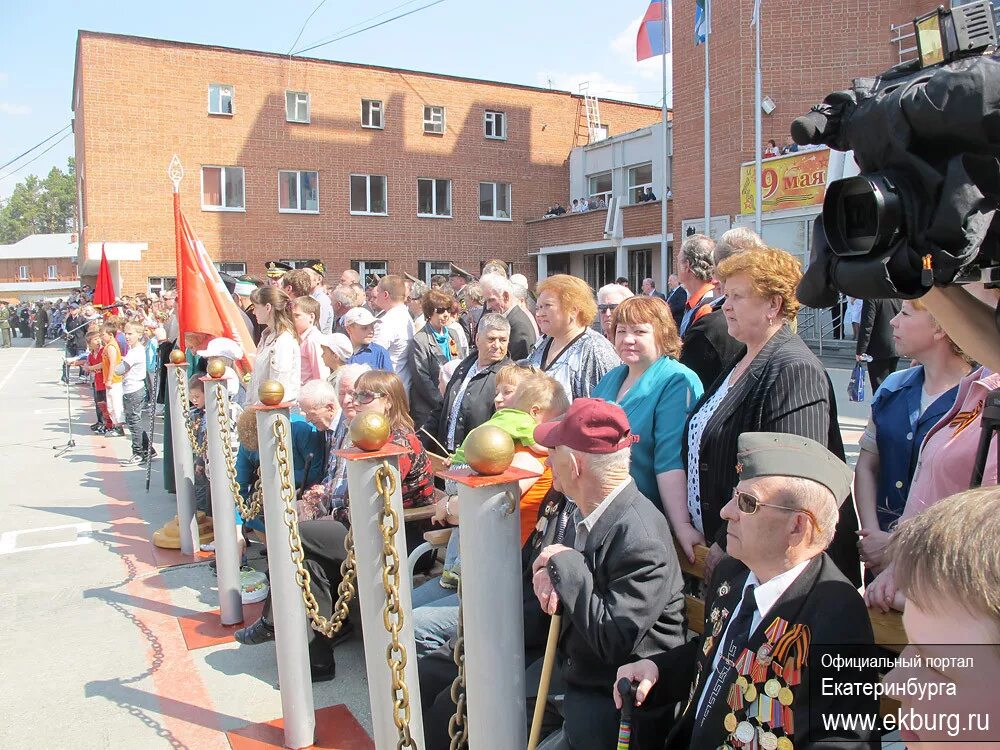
x=607 y=308
x=441 y=310
x=749 y=504
x=366 y=397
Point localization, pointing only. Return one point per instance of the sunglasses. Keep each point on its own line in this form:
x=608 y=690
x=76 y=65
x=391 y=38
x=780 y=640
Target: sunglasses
x=749 y=504
x=366 y=397
x=607 y=308
x=441 y=310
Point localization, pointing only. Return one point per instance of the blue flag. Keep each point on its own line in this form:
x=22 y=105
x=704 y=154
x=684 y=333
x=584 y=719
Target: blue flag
x=702 y=25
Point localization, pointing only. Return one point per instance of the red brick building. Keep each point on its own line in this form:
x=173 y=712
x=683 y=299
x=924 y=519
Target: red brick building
x=807 y=51
x=40 y=266
x=302 y=158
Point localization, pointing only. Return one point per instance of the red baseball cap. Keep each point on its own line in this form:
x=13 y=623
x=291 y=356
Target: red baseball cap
x=591 y=425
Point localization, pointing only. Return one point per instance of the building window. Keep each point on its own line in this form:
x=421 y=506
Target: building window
x=600 y=186
x=433 y=197
x=298 y=192
x=639 y=178
x=222 y=189
x=295 y=263
x=433 y=119
x=371 y=113
x=296 y=106
x=370 y=271
x=53 y=273
x=495 y=125
x=159 y=284
x=494 y=200
x=220 y=99
x=22 y=273
x=599 y=269
x=427 y=269
x=368 y=194
x=232 y=268
x=640 y=266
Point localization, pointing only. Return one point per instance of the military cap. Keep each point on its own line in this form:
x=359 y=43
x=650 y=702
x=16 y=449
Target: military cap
x=245 y=286
x=317 y=265
x=276 y=269
x=777 y=454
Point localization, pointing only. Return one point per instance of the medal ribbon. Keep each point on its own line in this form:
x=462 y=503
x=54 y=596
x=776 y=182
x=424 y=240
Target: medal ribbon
x=776 y=629
x=745 y=662
x=735 y=698
x=796 y=639
x=765 y=709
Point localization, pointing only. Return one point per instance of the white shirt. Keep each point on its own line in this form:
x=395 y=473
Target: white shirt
x=394 y=331
x=767 y=595
x=325 y=322
x=699 y=420
x=585 y=524
x=134 y=372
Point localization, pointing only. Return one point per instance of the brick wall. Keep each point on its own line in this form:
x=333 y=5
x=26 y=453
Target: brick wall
x=144 y=100
x=38 y=269
x=566 y=229
x=644 y=219
x=808 y=50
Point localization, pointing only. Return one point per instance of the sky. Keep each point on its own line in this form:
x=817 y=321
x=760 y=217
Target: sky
x=557 y=43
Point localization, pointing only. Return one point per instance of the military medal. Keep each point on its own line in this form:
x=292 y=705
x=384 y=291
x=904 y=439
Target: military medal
x=784 y=744
x=785 y=696
x=750 y=694
x=742 y=681
x=723 y=589
x=707 y=646
x=764 y=653
x=730 y=722
x=768 y=740
x=771 y=688
x=744 y=732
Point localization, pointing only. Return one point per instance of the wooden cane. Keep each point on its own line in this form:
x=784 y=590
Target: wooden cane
x=544 y=680
x=438 y=444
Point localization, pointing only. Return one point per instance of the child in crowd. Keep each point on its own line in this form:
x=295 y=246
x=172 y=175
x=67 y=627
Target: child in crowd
x=111 y=356
x=132 y=369
x=337 y=350
x=305 y=313
x=91 y=363
x=196 y=413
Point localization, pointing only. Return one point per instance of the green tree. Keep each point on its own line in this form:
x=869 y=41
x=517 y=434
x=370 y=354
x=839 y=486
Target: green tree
x=40 y=206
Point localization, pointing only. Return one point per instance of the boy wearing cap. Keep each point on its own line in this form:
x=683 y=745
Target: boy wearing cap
x=618 y=581
x=776 y=595
x=360 y=326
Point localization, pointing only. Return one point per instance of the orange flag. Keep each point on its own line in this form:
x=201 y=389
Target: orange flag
x=204 y=305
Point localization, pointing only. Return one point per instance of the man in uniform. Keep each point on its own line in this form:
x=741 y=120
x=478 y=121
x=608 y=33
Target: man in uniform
x=41 y=324
x=275 y=269
x=317 y=269
x=4 y=324
x=778 y=593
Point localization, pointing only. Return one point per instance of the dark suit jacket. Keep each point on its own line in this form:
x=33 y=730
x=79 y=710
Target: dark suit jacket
x=785 y=389
x=622 y=599
x=522 y=334
x=874 y=331
x=820 y=598
x=477 y=404
x=425 y=358
x=707 y=347
x=676 y=300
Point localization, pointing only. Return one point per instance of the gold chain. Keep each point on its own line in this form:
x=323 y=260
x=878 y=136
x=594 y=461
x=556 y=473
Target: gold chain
x=458 y=730
x=252 y=507
x=199 y=450
x=348 y=570
x=392 y=615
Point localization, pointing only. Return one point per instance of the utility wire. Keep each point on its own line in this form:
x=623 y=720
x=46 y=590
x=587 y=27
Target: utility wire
x=39 y=156
x=304 y=24
x=366 y=28
x=4 y=166
x=377 y=16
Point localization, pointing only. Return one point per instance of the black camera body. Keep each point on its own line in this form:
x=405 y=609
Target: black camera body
x=923 y=210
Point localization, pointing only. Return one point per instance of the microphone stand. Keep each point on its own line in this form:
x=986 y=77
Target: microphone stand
x=70 y=443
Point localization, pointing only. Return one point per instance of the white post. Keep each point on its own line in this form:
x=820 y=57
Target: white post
x=227 y=554
x=664 y=251
x=758 y=127
x=366 y=509
x=187 y=523
x=492 y=607
x=289 y=612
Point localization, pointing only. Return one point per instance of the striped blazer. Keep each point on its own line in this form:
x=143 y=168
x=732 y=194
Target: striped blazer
x=785 y=389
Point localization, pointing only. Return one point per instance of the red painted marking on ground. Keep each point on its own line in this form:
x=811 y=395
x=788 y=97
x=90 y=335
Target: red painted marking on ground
x=336 y=729
x=206 y=629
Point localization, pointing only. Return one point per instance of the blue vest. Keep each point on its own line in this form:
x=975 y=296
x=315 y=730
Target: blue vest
x=900 y=430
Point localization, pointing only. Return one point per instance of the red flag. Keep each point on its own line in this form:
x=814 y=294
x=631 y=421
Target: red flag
x=204 y=305
x=104 y=291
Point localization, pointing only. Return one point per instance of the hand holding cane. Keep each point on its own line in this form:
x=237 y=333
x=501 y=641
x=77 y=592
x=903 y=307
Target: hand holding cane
x=627 y=691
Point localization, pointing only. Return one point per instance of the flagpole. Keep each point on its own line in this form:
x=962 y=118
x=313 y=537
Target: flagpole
x=176 y=173
x=758 y=126
x=664 y=252
x=708 y=123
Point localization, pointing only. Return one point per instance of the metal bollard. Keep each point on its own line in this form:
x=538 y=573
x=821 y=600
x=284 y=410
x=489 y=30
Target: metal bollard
x=366 y=508
x=288 y=611
x=183 y=461
x=490 y=546
x=227 y=555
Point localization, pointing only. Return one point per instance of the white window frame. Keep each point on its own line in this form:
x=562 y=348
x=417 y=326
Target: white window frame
x=510 y=202
x=231 y=267
x=295 y=106
x=605 y=193
x=365 y=269
x=432 y=268
x=368 y=194
x=159 y=284
x=22 y=273
x=298 y=191
x=232 y=99
x=431 y=120
x=375 y=105
x=53 y=272
x=632 y=187
x=490 y=119
x=434 y=181
x=222 y=185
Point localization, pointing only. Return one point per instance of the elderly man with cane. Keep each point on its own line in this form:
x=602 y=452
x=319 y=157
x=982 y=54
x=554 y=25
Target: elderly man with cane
x=618 y=586
x=752 y=680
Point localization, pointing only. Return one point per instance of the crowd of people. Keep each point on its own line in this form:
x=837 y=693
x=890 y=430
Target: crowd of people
x=697 y=417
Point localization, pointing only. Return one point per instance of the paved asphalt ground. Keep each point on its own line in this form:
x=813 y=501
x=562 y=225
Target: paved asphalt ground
x=91 y=654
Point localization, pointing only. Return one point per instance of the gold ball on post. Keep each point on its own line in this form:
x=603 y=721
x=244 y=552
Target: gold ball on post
x=271 y=392
x=177 y=357
x=369 y=431
x=216 y=368
x=489 y=450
